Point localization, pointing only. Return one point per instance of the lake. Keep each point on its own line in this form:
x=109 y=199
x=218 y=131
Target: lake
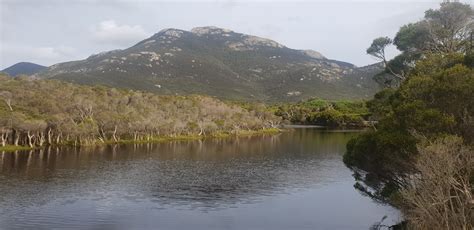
x=293 y=180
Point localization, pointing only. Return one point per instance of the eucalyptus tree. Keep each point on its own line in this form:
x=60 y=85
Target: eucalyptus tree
x=47 y=112
x=448 y=29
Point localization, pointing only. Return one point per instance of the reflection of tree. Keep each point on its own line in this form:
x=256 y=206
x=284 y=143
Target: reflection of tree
x=206 y=174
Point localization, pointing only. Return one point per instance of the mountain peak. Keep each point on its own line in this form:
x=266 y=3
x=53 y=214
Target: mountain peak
x=172 y=32
x=23 y=68
x=222 y=63
x=205 y=30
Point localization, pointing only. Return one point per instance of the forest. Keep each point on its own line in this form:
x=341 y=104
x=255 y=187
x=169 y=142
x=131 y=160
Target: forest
x=31 y=115
x=332 y=114
x=420 y=157
x=36 y=113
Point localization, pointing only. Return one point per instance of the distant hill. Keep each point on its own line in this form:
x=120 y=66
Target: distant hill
x=26 y=68
x=222 y=63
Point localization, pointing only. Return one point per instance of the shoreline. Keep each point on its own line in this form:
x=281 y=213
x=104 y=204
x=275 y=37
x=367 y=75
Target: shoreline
x=159 y=139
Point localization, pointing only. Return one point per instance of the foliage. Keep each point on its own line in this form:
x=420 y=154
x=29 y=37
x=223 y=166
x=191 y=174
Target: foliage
x=324 y=113
x=411 y=159
x=434 y=99
x=47 y=112
x=444 y=30
x=377 y=48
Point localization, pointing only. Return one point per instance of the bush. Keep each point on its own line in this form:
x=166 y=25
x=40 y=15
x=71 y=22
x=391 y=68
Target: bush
x=431 y=103
x=330 y=118
x=440 y=194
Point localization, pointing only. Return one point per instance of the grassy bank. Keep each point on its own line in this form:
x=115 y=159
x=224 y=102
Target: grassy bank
x=242 y=133
x=13 y=148
x=158 y=139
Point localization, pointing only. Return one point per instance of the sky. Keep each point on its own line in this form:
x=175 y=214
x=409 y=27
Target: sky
x=52 y=31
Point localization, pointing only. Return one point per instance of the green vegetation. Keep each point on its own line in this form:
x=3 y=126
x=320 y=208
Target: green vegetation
x=13 y=148
x=432 y=102
x=445 y=30
x=36 y=113
x=420 y=156
x=324 y=113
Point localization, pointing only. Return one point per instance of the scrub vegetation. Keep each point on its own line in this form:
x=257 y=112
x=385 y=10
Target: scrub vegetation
x=36 y=113
x=419 y=156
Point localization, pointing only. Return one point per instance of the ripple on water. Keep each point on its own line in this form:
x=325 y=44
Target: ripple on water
x=296 y=179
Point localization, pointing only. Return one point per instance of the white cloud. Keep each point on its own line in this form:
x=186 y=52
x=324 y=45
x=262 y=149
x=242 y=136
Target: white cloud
x=110 y=32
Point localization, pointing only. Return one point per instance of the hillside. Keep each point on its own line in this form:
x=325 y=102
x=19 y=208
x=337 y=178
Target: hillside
x=221 y=63
x=23 y=68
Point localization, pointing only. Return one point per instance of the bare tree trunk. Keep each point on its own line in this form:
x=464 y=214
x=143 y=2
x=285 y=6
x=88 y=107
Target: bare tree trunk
x=114 y=134
x=30 y=139
x=4 y=138
x=58 y=138
x=41 y=138
x=201 y=131
x=102 y=136
x=9 y=104
x=50 y=137
x=16 y=138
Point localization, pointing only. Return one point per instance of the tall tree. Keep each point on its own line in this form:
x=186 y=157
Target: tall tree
x=444 y=30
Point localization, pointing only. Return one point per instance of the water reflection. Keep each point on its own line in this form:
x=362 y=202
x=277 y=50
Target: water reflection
x=207 y=175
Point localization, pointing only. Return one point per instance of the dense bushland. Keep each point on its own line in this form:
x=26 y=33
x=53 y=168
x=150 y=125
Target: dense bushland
x=419 y=156
x=436 y=100
x=43 y=112
x=324 y=113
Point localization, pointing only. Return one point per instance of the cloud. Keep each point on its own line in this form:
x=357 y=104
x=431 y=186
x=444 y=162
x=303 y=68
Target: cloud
x=52 y=52
x=109 y=32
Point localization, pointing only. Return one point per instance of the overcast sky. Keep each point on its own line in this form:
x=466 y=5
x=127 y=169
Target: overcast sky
x=51 y=31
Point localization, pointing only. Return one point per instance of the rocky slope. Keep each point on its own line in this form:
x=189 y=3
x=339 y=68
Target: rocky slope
x=221 y=63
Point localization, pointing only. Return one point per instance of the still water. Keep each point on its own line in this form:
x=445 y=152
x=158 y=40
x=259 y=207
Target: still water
x=294 y=180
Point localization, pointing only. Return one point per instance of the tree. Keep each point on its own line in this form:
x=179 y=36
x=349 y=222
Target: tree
x=434 y=101
x=444 y=30
x=439 y=195
x=449 y=27
x=7 y=98
x=48 y=112
x=378 y=46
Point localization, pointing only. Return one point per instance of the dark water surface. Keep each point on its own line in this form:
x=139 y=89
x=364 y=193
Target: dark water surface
x=294 y=180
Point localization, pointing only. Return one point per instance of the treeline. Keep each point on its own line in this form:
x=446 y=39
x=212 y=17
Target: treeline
x=47 y=112
x=420 y=156
x=324 y=113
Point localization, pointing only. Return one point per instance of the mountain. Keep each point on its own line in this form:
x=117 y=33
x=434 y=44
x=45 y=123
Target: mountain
x=26 y=68
x=221 y=63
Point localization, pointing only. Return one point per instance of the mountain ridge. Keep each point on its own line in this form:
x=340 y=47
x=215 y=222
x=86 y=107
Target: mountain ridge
x=221 y=63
